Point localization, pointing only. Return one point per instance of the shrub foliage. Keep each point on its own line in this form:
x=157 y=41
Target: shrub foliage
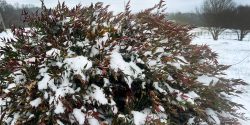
x=86 y=65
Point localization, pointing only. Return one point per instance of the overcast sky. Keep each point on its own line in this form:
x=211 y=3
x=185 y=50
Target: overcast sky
x=136 y=5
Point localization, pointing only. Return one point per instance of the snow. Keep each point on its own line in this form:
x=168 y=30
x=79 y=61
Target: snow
x=206 y=80
x=10 y=86
x=128 y=68
x=191 y=121
x=93 y=121
x=99 y=95
x=30 y=60
x=59 y=122
x=146 y=115
x=193 y=95
x=59 y=108
x=139 y=118
x=36 y=102
x=183 y=97
x=78 y=64
x=237 y=54
x=7 y=35
x=19 y=77
x=14 y=120
x=161 y=108
x=213 y=118
x=2 y=103
x=43 y=84
x=231 y=52
x=80 y=117
x=156 y=85
x=53 y=52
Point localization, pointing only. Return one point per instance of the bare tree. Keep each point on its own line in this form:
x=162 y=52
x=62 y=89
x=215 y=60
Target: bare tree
x=241 y=21
x=12 y=15
x=212 y=12
x=2 y=25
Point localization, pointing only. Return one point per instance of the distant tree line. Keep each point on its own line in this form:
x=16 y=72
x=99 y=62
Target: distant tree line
x=218 y=15
x=192 y=19
x=12 y=14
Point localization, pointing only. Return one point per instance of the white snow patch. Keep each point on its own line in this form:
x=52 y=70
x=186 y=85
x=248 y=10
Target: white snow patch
x=130 y=69
x=161 y=108
x=99 y=95
x=43 y=84
x=152 y=63
x=30 y=60
x=206 y=80
x=36 y=102
x=191 y=121
x=53 y=52
x=80 y=117
x=59 y=108
x=59 y=122
x=213 y=118
x=139 y=118
x=78 y=65
x=7 y=35
x=94 y=51
x=10 y=86
x=15 y=118
x=2 y=102
x=156 y=85
x=19 y=77
x=93 y=121
x=193 y=95
x=159 y=50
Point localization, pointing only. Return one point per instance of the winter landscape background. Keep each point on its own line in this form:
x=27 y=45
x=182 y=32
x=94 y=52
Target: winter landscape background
x=231 y=52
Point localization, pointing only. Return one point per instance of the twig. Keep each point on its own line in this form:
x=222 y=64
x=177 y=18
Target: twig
x=241 y=60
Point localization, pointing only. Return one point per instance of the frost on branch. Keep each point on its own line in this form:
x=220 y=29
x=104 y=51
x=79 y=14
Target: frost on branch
x=86 y=65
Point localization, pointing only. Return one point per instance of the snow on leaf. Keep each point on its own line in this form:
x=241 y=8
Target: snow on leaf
x=130 y=69
x=43 y=84
x=139 y=118
x=191 y=121
x=193 y=95
x=161 y=108
x=53 y=52
x=78 y=63
x=206 y=80
x=59 y=108
x=36 y=102
x=93 y=121
x=156 y=85
x=213 y=118
x=99 y=95
x=80 y=117
x=59 y=122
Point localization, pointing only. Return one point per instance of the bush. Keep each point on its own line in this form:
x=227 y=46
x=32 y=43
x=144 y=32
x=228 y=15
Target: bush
x=87 y=66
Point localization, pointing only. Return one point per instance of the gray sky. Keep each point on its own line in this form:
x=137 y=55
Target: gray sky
x=136 y=5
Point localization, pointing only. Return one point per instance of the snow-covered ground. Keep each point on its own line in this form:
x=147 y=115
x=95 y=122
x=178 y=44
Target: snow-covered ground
x=237 y=54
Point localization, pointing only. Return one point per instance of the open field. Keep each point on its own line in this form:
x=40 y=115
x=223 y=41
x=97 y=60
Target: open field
x=237 y=54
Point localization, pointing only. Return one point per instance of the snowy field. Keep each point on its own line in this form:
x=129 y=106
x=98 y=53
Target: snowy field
x=237 y=54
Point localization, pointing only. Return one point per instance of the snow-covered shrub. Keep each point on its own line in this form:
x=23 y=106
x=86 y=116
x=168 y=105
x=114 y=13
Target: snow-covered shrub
x=88 y=66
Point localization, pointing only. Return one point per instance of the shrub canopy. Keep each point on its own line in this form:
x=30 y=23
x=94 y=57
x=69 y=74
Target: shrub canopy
x=86 y=65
